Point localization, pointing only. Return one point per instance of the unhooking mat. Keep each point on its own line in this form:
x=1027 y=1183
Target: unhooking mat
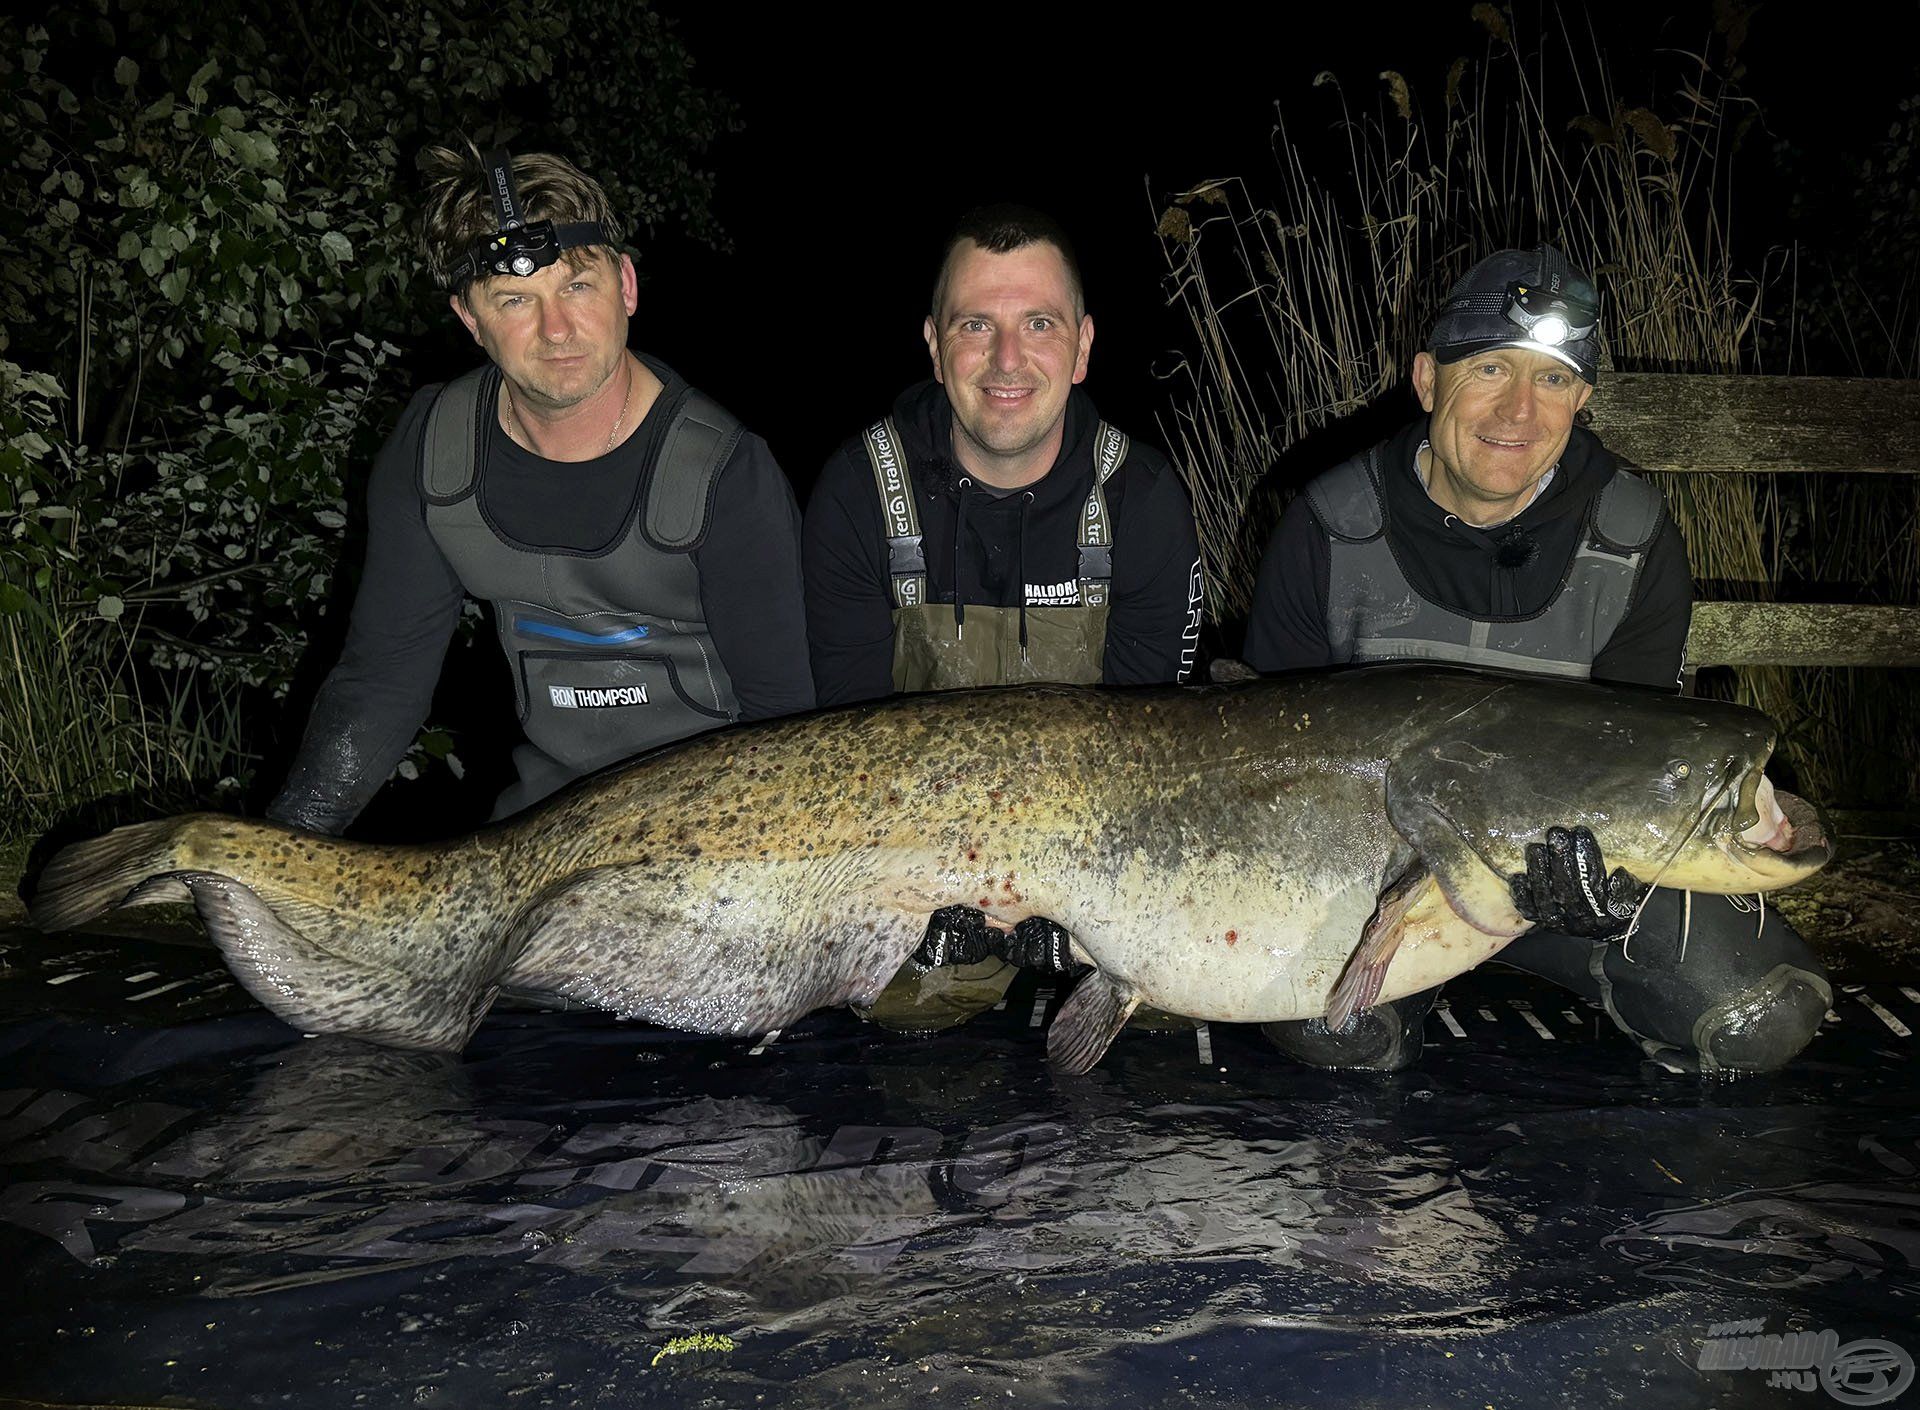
x=202 y=1208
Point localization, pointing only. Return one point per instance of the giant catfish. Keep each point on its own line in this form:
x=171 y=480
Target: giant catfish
x=1277 y=848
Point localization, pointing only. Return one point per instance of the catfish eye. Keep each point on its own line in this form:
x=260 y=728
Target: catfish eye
x=1678 y=768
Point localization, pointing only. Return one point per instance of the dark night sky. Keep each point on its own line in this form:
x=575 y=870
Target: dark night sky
x=857 y=159
x=862 y=145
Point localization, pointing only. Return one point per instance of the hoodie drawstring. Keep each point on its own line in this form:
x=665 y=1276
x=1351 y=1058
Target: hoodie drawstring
x=959 y=528
x=1020 y=582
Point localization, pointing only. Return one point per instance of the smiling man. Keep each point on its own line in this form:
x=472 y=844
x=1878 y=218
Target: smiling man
x=639 y=550
x=993 y=529
x=1493 y=532
x=1490 y=531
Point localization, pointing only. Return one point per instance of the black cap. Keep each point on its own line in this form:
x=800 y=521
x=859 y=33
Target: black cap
x=1519 y=299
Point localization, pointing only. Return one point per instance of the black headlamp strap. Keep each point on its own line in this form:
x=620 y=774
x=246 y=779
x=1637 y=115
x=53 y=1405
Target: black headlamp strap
x=517 y=247
x=508 y=213
x=583 y=232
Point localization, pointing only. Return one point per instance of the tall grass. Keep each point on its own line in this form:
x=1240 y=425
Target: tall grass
x=87 y=719
x=1307 y=303
x=79 y=723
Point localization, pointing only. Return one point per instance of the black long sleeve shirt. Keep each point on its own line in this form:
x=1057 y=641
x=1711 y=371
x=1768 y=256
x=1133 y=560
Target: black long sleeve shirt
x=1153 y=621
x=409 y=600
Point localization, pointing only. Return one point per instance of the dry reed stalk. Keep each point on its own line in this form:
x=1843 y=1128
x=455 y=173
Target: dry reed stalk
x=1308 y=307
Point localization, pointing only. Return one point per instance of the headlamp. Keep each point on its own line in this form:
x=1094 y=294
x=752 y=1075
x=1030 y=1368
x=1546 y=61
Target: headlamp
x=519 y=248
x=1551 y=317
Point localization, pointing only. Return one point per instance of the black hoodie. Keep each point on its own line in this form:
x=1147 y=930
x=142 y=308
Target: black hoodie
x=1153 y=622
x=1507 y=571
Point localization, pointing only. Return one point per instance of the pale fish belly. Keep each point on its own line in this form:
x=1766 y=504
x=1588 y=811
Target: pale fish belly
x=743 y=943
x=1230 y=947
x=1437 y=946
x=1211 y=962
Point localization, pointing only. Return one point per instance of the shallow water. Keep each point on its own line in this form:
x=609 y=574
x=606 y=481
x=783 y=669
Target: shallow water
x=202 y=1207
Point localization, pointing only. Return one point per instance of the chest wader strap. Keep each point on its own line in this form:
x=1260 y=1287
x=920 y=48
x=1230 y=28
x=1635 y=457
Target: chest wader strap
x=906 y=560
x=1626 y=515
x=1096 y=524
x=459 y=426
x=700 y=440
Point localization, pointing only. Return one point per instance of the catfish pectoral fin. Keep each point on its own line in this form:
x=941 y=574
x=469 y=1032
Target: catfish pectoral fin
x=319 y=991
x=1094 y=1013
x=1478 y=895
x=1359 y=983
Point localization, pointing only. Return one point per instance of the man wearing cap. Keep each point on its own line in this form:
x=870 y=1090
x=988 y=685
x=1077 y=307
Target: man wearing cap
x=1493 y=532
x=994 y=529
x=640 y=550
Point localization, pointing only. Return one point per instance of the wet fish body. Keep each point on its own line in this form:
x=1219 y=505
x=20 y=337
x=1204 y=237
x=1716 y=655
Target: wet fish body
x=1271 y=849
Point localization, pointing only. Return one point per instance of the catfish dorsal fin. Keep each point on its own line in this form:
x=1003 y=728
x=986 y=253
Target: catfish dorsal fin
x=1088 y=1021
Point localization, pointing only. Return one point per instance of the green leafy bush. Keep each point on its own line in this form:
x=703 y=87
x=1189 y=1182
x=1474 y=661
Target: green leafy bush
x=209 y=279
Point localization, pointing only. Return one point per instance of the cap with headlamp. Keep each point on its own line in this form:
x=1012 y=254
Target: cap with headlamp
x=1533 y=299
x=520 y=247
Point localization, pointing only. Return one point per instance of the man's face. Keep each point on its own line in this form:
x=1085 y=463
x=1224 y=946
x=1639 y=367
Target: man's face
x=558 y=333
x=1008 y=346
x=1499 y=422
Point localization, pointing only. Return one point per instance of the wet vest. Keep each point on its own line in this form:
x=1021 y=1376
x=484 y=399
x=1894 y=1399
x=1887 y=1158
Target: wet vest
x=933 y=651
x=609 y=651
x=1374 y=614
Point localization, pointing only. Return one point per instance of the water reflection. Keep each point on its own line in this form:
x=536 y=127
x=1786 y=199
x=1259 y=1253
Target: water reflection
x=1806 y=1236
x=341 y=1151
x=595 y=1189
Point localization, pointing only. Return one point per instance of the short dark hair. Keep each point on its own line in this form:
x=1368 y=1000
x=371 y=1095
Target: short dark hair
x=1002 y=229
x=459 y=206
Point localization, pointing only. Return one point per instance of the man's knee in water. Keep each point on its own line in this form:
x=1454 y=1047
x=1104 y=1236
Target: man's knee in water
x=1737 y=997
x=1765 y=1026
x=1385 y=1038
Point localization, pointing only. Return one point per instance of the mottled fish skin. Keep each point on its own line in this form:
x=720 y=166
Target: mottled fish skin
x=1216 y=852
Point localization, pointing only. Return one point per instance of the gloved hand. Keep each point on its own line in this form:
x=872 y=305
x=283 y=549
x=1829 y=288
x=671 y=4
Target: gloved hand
x=1566 y=887
x=956 y=935
x=1038 y=943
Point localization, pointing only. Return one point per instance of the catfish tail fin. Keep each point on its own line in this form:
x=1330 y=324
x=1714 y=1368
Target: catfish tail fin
x=334 y=937
x=433 y=1006
x=88 y=879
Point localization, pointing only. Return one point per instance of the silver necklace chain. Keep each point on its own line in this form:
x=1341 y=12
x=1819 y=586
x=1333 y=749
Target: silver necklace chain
x=513 y=422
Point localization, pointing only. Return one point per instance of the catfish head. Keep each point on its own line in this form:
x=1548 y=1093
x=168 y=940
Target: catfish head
x=1674 y=789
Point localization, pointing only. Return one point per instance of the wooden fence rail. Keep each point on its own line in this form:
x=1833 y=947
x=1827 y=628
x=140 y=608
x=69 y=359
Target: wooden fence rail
x=1688 y=423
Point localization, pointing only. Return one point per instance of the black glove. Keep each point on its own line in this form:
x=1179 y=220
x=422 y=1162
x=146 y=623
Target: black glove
x=956 y=935
x=1566 y=887
x=1038 y=943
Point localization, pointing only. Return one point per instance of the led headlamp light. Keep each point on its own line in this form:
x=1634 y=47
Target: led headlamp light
x=1550 y=317
x=520 y=248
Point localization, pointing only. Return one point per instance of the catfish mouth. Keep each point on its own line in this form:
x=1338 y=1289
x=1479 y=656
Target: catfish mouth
x=1785 y=829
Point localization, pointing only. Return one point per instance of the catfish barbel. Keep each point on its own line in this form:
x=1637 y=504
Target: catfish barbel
x=1280 y=848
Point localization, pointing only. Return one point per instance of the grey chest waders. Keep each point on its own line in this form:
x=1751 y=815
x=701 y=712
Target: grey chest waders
x=609 y=651
x=933 y=651
x=1374 y=614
